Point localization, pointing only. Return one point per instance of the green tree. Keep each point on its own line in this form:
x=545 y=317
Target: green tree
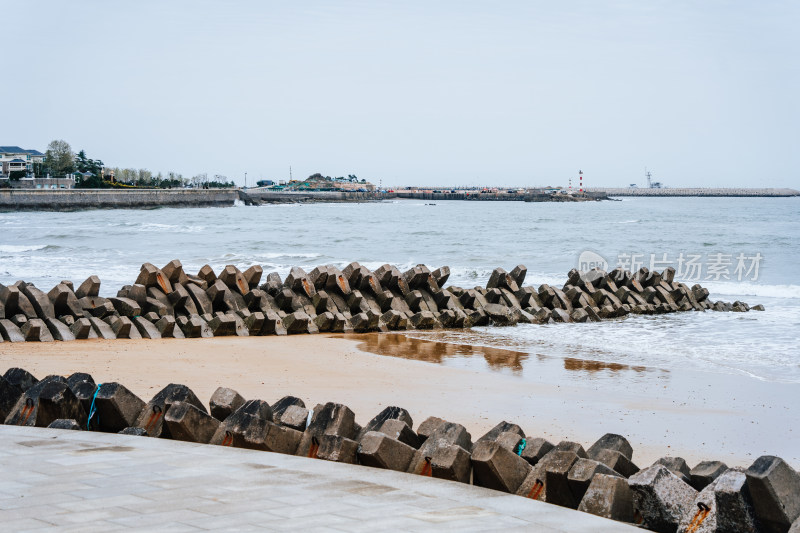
x=59 y=158
x=85 y=164
x=144 y=177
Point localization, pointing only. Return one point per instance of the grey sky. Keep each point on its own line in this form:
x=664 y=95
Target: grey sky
x=521 y=93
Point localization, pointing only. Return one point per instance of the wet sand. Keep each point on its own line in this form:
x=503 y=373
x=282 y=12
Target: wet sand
x=695 y=415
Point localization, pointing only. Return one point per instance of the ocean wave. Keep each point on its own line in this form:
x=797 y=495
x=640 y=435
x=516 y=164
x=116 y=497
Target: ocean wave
x=17 y=248
x=279 y=255
x=628 y=222
x=751 y=289
x=173 y=228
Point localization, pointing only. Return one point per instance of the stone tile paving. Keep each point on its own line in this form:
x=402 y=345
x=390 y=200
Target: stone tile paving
x=79 y=481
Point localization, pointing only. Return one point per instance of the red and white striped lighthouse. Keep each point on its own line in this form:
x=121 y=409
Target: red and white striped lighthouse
x=580 y=175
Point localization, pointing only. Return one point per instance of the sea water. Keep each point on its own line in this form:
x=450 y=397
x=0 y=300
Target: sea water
x=739 y=248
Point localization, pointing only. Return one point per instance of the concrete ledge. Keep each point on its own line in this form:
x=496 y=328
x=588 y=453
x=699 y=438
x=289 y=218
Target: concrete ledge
x=98 y=481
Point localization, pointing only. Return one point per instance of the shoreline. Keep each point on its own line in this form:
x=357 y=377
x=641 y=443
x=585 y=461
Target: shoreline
x=695 y=415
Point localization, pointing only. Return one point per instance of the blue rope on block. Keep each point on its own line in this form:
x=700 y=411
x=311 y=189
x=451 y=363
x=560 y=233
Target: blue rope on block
x=93 y=409
x=521 y=447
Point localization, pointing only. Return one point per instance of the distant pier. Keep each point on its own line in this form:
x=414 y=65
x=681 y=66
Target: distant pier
x=591 y=193
x=718 y=192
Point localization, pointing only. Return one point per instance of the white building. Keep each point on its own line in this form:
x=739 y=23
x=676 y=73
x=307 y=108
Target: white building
x=14 y=159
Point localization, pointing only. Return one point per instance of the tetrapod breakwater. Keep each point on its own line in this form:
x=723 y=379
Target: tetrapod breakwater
x=168 y=302
x=603 y=479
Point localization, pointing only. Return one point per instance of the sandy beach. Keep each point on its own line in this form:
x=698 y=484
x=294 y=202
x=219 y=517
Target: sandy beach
x=695 y=415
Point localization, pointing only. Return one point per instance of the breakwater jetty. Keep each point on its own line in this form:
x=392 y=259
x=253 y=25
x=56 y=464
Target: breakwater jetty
x=260 y=196
x=710 y=192
x=78 y=199
x=589 y=194
x=602 y=479
x=170 y=303
x=502 y=195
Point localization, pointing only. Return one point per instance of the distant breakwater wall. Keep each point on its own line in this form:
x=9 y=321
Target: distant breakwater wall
x=78 y=199
x=720 y=192
x=596 y=193
x=461 y=195
x=262 y=196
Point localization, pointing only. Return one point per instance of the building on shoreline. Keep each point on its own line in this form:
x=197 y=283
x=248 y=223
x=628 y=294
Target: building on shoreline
x=318 y=182
x=14 y=159
x=17 y=170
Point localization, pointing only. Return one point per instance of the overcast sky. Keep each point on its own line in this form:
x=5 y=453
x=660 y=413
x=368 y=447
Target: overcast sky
x=442 y=93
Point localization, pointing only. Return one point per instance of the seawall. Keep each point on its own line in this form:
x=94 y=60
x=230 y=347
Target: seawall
x=461 y=195
x=500 y=196
x=77 y=199
x=533 y=195
x=281 y=197
x=718 y=192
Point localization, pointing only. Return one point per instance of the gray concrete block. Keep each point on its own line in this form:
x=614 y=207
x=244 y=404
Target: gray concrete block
x=678 y=466
x=581 y=474
x=9 y=395
x=21 y=378
x=338 y=449
x=117 y=408
x=267 y=436
x=498 y=468
x=608 y=496
x=611 y=441
x=535 y=449
x=59 y=330
x=10 y=332
x=187 y=422
x=151 y=418
x=146 y=329
x=294 y=417
x=616 y=461
x=661 y=497
x=329 y=419
x=705 y=472
x=775 y=489
x=35 y=330
x=224 y=402
x=399 y=430
x=389 y=413
x=381 y=451
x=502 y=427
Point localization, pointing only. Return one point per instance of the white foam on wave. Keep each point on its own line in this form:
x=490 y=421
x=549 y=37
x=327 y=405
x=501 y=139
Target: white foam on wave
x=278 y=255
x=752 y=289
x=173 y=228
x=17 y=248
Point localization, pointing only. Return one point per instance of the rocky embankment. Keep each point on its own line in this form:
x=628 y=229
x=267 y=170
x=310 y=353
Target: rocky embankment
x=167 y=302
x=666 y=496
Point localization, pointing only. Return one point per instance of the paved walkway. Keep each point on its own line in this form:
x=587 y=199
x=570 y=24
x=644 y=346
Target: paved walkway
x=74 y=480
